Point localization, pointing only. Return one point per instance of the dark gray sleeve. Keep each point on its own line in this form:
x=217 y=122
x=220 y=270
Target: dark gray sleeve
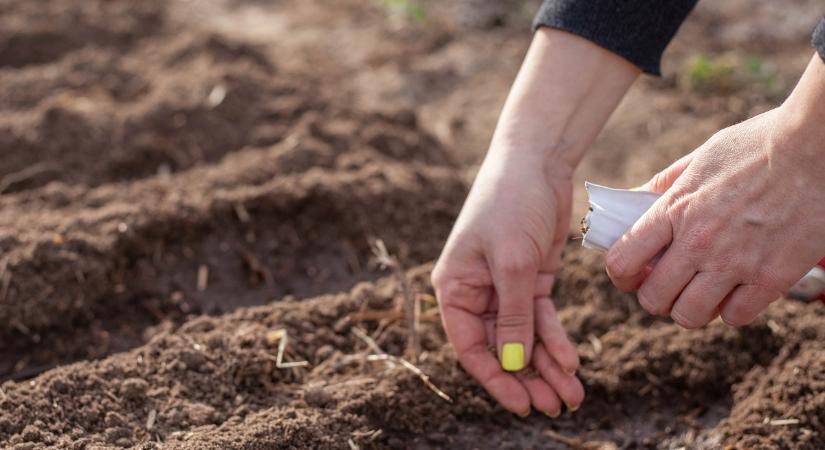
x=637 y=30
x=818 y=40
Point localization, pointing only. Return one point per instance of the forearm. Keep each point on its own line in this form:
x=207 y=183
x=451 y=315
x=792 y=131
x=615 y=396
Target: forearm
x=563 y=95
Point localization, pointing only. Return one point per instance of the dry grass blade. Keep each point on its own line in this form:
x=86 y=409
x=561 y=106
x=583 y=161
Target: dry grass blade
x=578 y=444
x=392 y=315
x=150 y=420
x=279 y=359
x=412 y=368
x=596 y=343
x=242 y=213
x=23 y=175
x=388 y=261
x=781 y=422
x=203 y=277
x=361 y=334
x=4 y=263
x=256 y=267
x=5 y=283
x=352 y=444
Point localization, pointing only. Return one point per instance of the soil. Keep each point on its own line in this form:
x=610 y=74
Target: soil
x=192 y=189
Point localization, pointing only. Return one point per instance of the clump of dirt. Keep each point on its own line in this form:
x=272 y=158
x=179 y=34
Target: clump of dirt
x=782 y=405
x=294 y=219
x=41 y=32
x=168 y=104
x=215 y=382
x=217 y=182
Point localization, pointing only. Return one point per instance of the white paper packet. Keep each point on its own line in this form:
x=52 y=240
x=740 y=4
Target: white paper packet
x=612 y=212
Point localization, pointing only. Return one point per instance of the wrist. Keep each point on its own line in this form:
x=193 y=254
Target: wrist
x=803 y=113
x=550 y=157
x=564 y=93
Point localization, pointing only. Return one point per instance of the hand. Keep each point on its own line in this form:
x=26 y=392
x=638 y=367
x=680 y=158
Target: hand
x=741 y=220
x=494 y=279
x=495 y=274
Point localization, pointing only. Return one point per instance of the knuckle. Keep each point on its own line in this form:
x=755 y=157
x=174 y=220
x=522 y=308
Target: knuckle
x=616 y=263
x=657 y=180
x=437 y=277
x=648 y=303
x=448 y=291
x=677 y=206
x=515 y=264
x=512 y=320
x=685 y=320
x=735 y=319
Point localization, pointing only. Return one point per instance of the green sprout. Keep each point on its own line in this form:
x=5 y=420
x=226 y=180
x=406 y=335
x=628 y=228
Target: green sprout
x=409 y=9
x=760 y=71
x=728 y=73
x=705 y=74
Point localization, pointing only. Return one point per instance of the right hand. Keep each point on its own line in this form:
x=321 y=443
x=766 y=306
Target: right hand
x=494 y=278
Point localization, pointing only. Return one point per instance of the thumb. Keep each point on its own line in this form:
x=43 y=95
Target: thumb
x=514 y=280
x=663 y=180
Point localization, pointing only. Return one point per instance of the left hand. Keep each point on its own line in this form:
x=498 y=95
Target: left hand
x=742 y=218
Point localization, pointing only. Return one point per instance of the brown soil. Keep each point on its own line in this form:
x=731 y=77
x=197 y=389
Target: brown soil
x=179 y=183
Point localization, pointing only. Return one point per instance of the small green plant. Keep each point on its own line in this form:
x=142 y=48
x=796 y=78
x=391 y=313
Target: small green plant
x=760 y=71
x=409 y=9
x=705 y=74
x=728 y=72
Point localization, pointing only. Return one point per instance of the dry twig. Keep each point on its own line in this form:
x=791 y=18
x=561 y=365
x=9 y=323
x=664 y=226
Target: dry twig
x=361 y=334
x=412 y=368
x=256 y=266
x=388 y=261
x=578 y=444
x=780 y=422
x=5 y=279
x=373 y=315
x=203 y=277
x=23 y=175
x=596 y=343
x=150 y=421
x=371 y=435
x=279 y=359
x=242 y=213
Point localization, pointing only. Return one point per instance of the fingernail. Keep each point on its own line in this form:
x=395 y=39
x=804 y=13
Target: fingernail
x=553 y=414
x=572 y=408
x=512 y=356
x=524 y=414
x=637 y=188
x=570 y=372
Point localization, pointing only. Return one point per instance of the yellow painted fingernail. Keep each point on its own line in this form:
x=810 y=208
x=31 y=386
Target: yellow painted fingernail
x=553 y=414
x=525 y=413
x=572 y=408
x=512 y=356
x=637 y=188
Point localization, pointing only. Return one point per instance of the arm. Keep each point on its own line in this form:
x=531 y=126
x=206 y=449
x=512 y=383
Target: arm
x=495 y=274
x=741 y=218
